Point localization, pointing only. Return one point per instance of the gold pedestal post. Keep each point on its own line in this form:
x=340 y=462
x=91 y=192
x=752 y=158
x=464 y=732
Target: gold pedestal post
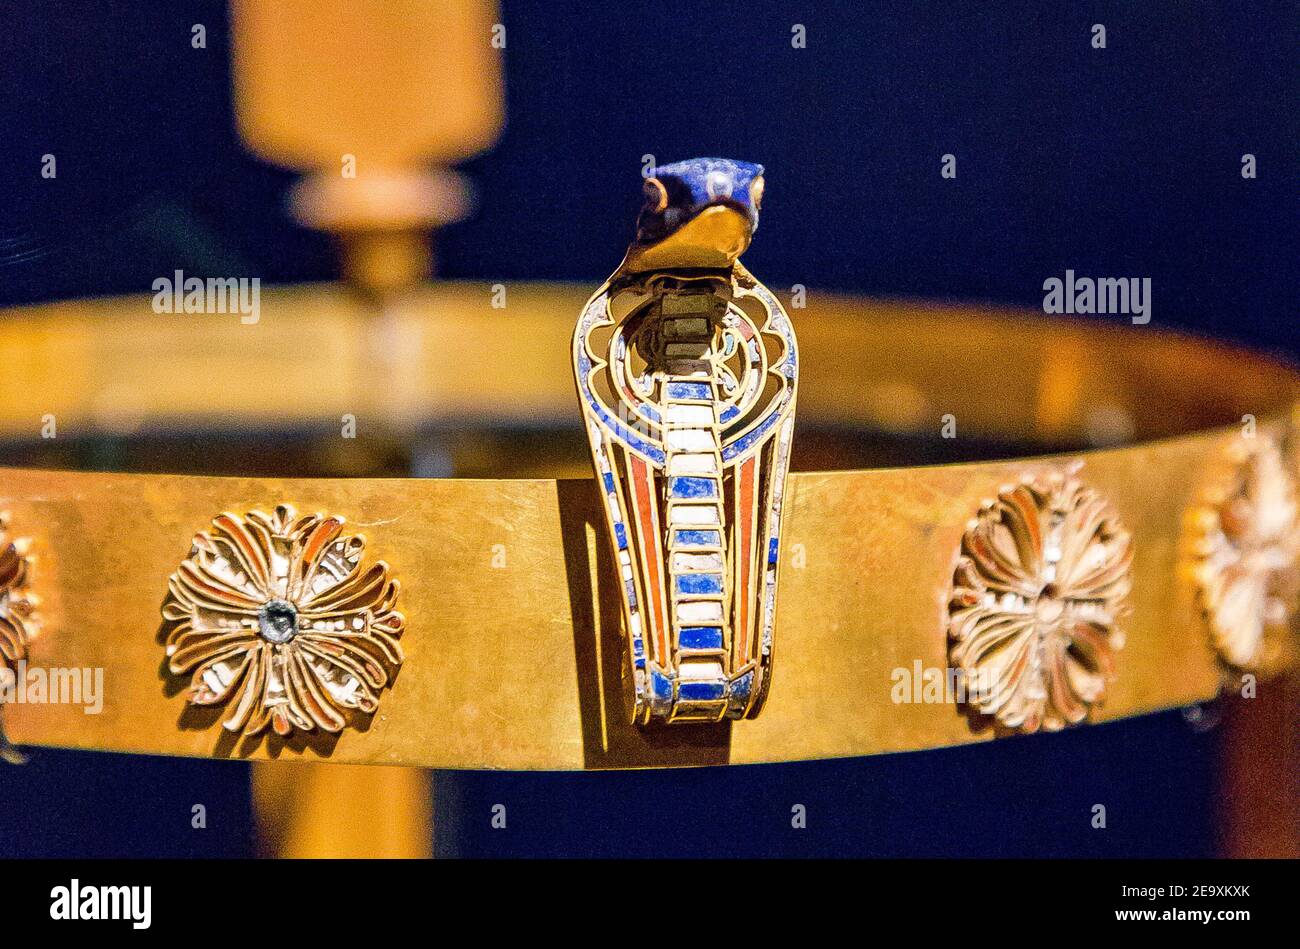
x=319 y=810
x=363 y=97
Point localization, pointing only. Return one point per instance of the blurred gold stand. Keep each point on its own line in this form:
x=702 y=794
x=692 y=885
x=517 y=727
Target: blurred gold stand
x=318 y=810
x=364 y=97
x=373 y=101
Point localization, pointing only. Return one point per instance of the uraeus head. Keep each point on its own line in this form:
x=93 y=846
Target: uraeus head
x=699 y=213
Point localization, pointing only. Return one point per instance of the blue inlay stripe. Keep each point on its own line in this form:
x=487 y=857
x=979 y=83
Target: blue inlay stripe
x=697 y=584
x=689 y=390
x=620 y=535
x=619 y=431
x=700 y=637
x=609 y=482
x=739 y=447
x=661 y=686
x=772 y=550
x=692 y=487
x=701 y=691
x=698 y=539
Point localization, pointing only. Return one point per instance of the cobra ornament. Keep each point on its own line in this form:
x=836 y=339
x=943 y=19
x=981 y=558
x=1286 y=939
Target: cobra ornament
x=686 y=370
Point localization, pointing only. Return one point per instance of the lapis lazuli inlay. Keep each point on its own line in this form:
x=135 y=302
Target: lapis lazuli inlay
x=699 y=539
x=693 y=487
x=698 y=584
x=700 y=637
x=701 y=691
x=699 y=391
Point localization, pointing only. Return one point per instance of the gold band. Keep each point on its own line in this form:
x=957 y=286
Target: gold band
x=510 y=598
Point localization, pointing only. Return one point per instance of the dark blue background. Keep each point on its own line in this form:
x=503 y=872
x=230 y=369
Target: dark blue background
x=1118 y=162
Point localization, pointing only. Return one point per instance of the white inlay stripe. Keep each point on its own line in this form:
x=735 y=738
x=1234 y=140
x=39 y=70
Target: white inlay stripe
x=680 y=514
x=690 y=439
x=696 y=669
x=690 y=414
x=707 y=562
x=689 y=464
x=699 y=611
